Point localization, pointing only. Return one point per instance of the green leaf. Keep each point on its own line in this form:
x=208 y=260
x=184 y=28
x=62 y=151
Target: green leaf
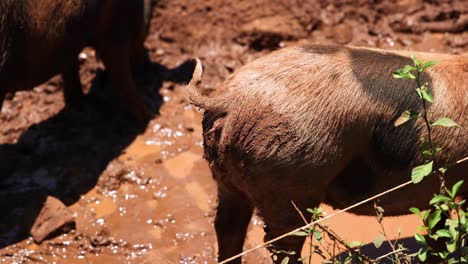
x=423 y=228
x=449 y=193
x=434 y=218
x=442 y=255
x=418 y=90
x=285 y=252
x=415 y=61
x=416 y=211
x=427 y=153
x=451 y=245
x=427 y=65
x=426 y=214
x=445 y=122
x=378 y=241
x=408 y=69
x=426 y=148
x=439 y=199
x=397 y=74
x=456 y=188
x=285 y=260
x=444 y=207
x=405 y=117
x=318 y=235
x=410 y=76
x=404 y=73
x=316 y=212
x=433 y=236
x=443 y=170
x=354 y=244
x=301 y=233
x=443 y=233
x=463 y=221
x=418 y=173
x=379 y=209
x=426 y=94
x=420 y=239
x=422 y=254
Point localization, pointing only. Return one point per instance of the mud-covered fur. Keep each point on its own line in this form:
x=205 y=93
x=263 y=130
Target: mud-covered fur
x=40 y=38
x=314 y=124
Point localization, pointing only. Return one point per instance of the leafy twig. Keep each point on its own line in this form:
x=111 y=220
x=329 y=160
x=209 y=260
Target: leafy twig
x=335 y=237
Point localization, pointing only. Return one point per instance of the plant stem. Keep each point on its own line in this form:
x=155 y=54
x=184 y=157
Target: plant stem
x=397 y=251
x=459 y=241
x=429 y=136
x=310 y=235
x=335 y=237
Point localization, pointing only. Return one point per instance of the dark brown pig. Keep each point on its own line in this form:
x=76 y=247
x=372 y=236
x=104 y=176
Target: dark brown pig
x=315 y=124
x=41 y=38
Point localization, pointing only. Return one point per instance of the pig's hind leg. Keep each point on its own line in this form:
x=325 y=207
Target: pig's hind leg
x=278 y=193
x=281 y=217
x=116 y=57
x=121 y=34
x=232 y=219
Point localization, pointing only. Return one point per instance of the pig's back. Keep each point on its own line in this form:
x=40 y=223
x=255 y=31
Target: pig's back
x=287 y=107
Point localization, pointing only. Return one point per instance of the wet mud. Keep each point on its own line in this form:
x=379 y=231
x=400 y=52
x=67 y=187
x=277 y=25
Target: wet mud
x=145 y=195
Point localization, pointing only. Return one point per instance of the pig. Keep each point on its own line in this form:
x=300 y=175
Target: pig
x=315 y=123
x=41 y=38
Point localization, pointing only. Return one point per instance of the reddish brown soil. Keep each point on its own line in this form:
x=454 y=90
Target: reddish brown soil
x=147 y=196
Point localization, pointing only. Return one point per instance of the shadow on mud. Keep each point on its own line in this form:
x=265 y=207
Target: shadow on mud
x=65 y=155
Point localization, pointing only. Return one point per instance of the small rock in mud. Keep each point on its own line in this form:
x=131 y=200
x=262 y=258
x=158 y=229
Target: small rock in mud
x=343 y=33
x=112 y=176
x=53 y=216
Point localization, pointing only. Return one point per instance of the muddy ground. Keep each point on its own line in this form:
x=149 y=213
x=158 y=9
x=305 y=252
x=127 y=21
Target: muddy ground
x=134 y=196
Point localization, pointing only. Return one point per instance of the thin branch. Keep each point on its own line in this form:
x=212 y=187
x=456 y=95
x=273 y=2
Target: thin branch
x=335 y=237
x=384 y=232
x=300 y=213
x=390 y=253
x=461 y=160
x=311 y=244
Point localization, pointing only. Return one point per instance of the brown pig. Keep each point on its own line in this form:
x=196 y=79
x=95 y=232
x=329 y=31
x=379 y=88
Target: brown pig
x=315 y=124
x=41 y=38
